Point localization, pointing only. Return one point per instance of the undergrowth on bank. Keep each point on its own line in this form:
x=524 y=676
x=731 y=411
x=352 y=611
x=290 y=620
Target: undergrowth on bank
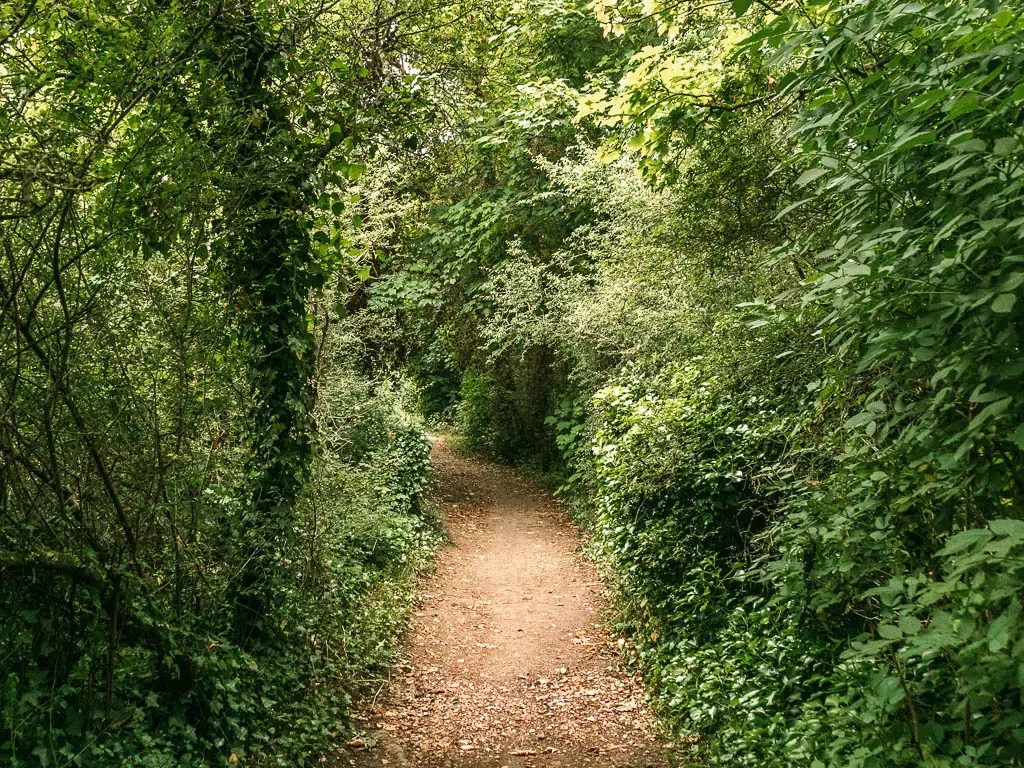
x=364 y=533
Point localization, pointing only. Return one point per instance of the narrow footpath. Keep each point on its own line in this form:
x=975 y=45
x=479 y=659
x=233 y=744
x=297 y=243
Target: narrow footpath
x=506 y=661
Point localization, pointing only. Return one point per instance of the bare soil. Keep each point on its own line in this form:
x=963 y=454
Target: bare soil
x=507 y=662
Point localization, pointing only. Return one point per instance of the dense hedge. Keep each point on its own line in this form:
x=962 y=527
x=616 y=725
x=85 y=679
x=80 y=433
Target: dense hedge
x=769 y=633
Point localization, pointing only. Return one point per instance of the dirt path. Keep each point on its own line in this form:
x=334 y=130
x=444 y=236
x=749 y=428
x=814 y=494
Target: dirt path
x=507 y=664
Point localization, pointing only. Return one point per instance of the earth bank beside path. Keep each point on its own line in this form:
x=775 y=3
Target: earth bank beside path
x=506 y=661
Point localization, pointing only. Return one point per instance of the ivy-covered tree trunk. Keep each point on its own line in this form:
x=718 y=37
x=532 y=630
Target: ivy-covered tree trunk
x=268 y=270
x=273 y=276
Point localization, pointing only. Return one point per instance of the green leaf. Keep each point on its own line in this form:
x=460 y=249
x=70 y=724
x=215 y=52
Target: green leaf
x=43 y=753
x=1003 y=303
x=968 y=102
x=336 y=135
x=739 y=7
x=910 y=625
x=1004 y=146
x=859 y=420
x=810 y=175
x=989 y=411
x=928 y=99
x=854 y=268
x=915 y=140
x=1013 y=529
x=964 y=539
x=890 y=691
x=889 y=632
x=999 y=629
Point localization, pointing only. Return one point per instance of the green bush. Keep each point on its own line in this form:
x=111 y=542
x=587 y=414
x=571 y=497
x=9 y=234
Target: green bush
x=686 y=483
x=182 y=692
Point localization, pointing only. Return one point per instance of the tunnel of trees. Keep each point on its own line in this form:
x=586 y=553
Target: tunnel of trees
x=741 y=278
